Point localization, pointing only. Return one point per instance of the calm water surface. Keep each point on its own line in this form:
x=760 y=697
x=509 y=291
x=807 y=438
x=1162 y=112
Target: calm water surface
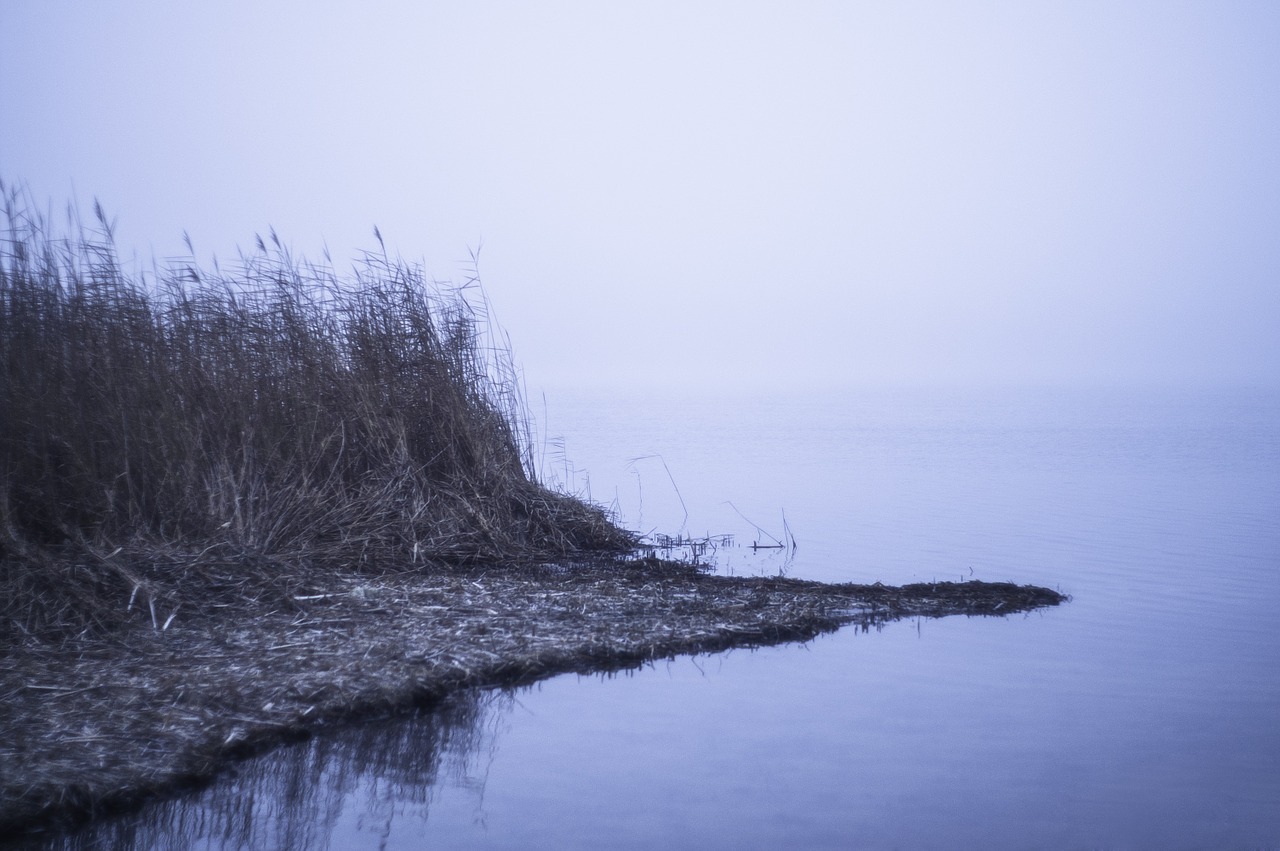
x=1144 y=714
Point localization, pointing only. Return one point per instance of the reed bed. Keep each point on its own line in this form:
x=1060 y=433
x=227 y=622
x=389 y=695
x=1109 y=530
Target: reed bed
x=237 y=505
x=172 y=439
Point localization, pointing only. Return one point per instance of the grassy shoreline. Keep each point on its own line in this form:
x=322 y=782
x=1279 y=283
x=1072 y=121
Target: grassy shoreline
x=100 y=724
x=198 y=452
x=238 y=505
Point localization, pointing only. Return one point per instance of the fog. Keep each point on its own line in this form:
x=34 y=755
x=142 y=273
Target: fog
x=709 y=194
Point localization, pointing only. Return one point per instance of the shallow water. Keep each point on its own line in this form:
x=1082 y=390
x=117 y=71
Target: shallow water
x=1141 y=715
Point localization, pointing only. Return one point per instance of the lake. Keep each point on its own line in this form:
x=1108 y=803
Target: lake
x=1145 y=713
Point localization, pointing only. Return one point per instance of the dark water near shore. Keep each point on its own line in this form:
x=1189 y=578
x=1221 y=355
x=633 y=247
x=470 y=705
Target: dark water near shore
x=1144 y=714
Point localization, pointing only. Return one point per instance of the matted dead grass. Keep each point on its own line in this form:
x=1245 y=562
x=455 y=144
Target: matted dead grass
x=100 y=722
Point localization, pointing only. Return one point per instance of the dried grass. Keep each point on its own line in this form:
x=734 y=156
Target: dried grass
x=97 y=725
x=198 y=434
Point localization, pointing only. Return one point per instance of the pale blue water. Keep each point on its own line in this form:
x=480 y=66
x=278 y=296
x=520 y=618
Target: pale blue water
x=1144 y=714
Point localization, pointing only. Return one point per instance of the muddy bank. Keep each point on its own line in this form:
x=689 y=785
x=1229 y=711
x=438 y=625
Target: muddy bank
x=99 y=723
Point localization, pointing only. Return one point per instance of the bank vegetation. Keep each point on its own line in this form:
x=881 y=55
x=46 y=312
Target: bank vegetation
x=237 y=504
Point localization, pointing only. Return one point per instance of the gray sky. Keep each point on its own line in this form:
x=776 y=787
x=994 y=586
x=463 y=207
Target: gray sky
x=692 y=193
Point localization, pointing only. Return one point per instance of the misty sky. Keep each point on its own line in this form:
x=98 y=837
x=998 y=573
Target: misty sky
x=695 y=193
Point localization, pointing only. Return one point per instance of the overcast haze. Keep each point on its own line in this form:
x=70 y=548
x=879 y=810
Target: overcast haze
x=710 y=193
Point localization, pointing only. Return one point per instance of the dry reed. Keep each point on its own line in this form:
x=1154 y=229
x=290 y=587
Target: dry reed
x=167 y=438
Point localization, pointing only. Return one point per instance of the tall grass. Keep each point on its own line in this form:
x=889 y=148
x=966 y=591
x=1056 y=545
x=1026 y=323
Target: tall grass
x=158 y=429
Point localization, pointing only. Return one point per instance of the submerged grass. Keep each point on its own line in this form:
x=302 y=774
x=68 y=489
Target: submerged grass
x=193 y=434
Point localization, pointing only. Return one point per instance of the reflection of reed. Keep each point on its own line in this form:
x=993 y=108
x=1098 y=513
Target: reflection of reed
x=295 y=796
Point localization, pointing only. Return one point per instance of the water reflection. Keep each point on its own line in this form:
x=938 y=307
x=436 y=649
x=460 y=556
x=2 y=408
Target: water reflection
x=304 y=794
